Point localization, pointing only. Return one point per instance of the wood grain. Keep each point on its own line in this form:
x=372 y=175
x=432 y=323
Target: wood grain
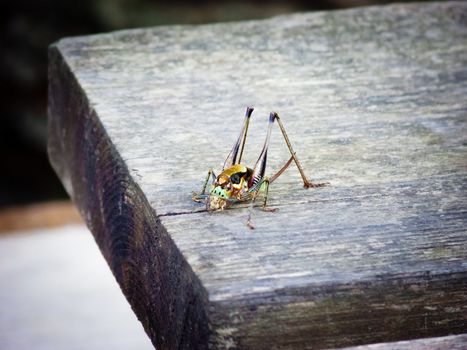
x=373 y=100
x=453 y=342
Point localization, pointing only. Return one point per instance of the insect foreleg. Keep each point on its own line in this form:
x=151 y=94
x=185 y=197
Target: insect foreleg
x=199 y=197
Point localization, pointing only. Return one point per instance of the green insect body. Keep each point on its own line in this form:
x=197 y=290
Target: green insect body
x=238 y=183
x=219 y=192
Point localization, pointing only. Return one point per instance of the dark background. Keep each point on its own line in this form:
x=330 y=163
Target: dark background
x=28 y=27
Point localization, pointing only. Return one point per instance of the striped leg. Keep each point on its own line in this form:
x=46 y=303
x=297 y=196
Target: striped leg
x=264 y=189
x=260 y=166
x=237 y=149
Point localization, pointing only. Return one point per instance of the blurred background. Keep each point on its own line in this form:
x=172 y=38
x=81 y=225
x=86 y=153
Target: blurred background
x=56 y=288
x=28 y=27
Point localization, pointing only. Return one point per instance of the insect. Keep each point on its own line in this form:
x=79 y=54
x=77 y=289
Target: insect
x=239 y=183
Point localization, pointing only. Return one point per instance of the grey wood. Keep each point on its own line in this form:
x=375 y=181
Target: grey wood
x=452 y=342
x=374 y=102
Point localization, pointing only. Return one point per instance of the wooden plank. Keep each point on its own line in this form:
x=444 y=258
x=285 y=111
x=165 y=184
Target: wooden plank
x=373 y=100
x=453 y=342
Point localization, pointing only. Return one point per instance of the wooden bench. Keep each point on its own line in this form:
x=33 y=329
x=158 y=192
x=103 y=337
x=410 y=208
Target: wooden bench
x=374 y=101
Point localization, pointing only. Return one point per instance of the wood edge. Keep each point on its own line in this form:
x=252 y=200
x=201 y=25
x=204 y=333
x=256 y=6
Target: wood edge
x=451 y=342
x=159 y=284
x=395 y=308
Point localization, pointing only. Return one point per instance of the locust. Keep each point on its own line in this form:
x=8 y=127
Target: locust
x=239 y=183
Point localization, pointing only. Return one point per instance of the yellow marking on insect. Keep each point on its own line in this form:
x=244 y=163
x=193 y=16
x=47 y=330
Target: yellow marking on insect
x=238 y=183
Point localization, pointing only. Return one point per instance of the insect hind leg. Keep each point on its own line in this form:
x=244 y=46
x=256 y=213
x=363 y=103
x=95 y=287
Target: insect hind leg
x=235 y=155
x=306 y=182
x=260 y=167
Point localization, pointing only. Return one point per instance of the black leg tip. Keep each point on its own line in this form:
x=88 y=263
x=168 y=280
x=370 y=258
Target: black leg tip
x=273 y=116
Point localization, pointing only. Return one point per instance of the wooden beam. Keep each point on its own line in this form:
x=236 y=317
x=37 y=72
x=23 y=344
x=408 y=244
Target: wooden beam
x=452 y=342
x=373 y=100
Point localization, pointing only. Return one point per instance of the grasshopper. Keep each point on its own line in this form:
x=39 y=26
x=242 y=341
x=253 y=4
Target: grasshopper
x=239 y=183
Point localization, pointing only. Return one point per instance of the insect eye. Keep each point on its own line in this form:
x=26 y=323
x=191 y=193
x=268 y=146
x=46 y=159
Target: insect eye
x=235 y=178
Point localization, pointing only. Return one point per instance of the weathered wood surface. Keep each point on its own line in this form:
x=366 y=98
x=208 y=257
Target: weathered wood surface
x=453 y=342
x=374 y=101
